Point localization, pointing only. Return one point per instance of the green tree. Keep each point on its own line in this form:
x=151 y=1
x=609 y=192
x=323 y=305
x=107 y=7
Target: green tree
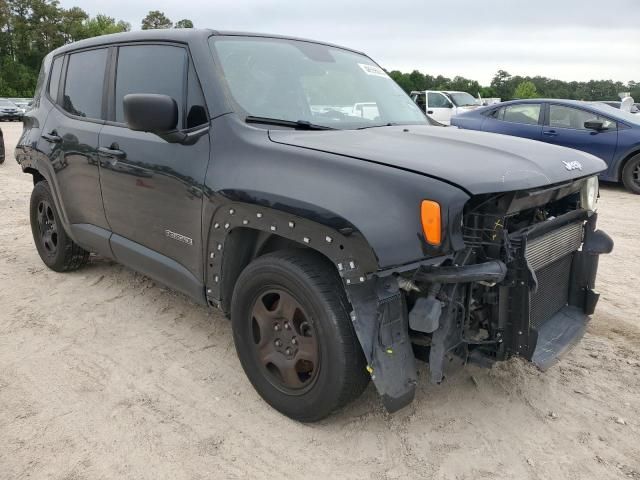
x=184 y=23
x=403 y=80
x=156 y=19
x=526 y=89
x=29 y=29
x=104 y=25
x=501 y=84
x=465 y=85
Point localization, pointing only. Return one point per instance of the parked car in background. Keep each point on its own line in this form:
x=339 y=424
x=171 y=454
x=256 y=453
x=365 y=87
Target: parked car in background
x=1 y=147
x=596 y=128
x=23 y=104
x=441 y=105
x=9 y=111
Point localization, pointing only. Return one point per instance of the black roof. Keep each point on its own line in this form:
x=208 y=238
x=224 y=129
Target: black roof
x=182 y=35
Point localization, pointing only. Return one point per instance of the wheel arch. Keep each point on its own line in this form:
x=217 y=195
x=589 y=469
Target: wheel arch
x=37 y=176
x=44 y=172
x=240 y=232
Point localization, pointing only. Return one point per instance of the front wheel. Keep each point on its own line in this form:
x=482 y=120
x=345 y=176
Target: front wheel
x=631 y=175
x=293 y=335
x=56 y=249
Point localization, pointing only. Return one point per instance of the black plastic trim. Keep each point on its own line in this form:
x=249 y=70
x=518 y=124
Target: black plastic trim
x=157 y=266
x=92 y=238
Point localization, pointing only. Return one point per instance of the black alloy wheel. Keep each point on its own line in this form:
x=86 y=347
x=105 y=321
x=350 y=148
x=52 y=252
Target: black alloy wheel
x=47 y=228
x=56 y=249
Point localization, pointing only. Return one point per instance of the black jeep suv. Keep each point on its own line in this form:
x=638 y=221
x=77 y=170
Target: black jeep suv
x=293 y=185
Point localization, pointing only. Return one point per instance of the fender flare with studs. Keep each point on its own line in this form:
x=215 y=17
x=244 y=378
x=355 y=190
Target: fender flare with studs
x=347 y=250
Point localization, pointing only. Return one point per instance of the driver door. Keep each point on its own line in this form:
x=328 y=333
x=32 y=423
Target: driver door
x=152 y=189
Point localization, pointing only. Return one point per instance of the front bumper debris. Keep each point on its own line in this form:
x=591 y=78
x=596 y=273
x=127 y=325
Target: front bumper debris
x=541 y=296
x=493 y=271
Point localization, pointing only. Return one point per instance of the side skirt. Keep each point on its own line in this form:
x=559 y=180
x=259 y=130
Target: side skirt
x=157 y=266
x=140 y=258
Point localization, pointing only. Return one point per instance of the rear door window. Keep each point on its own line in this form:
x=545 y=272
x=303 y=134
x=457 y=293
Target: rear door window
x=159 y=69
x=84 y=83
x=527 y=113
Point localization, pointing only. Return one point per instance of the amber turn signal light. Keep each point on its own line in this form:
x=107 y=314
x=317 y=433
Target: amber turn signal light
x=431 y=222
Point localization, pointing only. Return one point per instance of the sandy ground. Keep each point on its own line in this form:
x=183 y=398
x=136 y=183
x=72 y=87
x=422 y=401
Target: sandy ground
x=105 y=374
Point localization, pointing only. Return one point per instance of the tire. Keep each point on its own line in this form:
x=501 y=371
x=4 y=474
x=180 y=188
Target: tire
x=302 y=289
x=55 y=248
x=631 y=175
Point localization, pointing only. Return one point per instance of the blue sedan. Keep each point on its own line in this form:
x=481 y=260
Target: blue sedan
x=595 y=128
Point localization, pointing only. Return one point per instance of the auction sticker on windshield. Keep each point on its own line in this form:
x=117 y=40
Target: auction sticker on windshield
x=373 y=70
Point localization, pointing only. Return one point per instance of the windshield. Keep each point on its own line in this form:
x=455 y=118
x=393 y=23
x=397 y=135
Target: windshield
x=462 y=99
x=616 y=113
x=303 y=81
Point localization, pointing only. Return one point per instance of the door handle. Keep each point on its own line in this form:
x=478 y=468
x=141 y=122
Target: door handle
x=111 y=152
x=430 y=112
x=550 y=133
x=52 y=137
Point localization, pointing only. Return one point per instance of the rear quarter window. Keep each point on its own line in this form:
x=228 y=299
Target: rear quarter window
x=54 y=80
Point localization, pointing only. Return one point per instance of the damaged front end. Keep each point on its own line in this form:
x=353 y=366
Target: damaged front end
x=523 y=284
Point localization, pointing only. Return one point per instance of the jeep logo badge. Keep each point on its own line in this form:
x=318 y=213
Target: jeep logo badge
x=575 y=165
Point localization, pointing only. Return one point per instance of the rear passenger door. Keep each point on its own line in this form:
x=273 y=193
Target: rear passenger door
x=519 y=119
x=70 y=135
x=152 y=189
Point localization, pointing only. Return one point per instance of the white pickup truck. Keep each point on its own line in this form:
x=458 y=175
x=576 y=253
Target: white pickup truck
x=441 y=105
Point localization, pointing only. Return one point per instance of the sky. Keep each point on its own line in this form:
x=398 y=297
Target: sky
x=563 y=39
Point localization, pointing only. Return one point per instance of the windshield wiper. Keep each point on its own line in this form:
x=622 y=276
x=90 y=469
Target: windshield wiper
x=389 y=124
x=298 y=124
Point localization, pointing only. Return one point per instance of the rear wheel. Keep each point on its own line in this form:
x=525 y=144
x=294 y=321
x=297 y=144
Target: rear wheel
x=293 y=335
x=56 y=249
x=631 y=175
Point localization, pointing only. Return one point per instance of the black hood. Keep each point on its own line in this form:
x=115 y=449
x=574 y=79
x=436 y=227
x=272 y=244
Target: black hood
x=478 y=162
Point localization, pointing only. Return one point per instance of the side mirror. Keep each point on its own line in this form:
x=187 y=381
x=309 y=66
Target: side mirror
x=594 y=125
x=147 y=112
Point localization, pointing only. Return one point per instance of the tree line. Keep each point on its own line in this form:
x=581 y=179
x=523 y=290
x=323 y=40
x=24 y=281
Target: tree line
x=508 y=87
x=29 y=29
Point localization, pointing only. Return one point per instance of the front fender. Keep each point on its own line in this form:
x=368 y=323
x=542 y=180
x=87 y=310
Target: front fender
x=380 y=202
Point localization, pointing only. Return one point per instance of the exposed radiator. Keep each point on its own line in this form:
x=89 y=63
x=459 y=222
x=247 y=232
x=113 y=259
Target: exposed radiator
x=552 y=293
x=545 y=250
